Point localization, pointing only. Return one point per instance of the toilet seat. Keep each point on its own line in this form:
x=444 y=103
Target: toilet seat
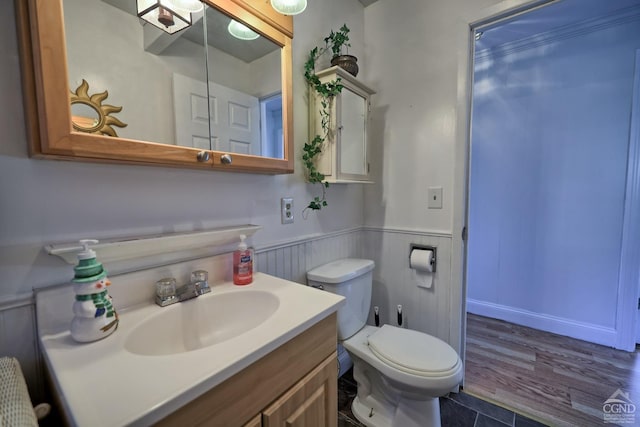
x=425 y=381
x=413 y=352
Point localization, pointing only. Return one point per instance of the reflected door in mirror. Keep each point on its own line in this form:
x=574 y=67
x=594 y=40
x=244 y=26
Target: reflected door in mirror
x=245 y=86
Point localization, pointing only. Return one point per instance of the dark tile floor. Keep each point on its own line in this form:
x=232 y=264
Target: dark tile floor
x=456 y=410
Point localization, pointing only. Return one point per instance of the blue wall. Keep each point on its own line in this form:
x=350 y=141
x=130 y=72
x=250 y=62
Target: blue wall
x=550 y=134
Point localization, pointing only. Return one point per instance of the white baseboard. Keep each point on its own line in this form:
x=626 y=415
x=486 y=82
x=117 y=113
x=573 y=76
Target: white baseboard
x=558 y=325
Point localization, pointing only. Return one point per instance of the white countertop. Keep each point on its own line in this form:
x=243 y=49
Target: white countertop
x=103 y=384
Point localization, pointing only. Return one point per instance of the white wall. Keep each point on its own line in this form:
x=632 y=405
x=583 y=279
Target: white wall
x=413 y=65
x=416 y=52
x=548 y=170
x=264 y=84
x=426 y=310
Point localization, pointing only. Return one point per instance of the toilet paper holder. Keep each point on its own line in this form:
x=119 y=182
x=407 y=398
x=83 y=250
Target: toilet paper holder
x=427 y=248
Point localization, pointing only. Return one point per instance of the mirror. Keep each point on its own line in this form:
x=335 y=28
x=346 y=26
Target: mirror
x=353 y=156
x=244 y=89
x=85 y=118
x=168 y=71
x=177 y=94
x=138 y=80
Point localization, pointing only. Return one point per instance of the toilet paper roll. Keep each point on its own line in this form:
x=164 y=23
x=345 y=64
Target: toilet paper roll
x=420 y=263
x=421 y=260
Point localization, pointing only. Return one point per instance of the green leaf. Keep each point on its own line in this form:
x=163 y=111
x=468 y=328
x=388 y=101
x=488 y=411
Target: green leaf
x=326 y=91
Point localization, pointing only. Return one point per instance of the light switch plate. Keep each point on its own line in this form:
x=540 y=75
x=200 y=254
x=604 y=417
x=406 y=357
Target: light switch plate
x=286 y=210
x=435 y=197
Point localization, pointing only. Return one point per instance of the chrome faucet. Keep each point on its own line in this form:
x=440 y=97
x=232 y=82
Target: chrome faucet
x=192 y=290
x=167 y=293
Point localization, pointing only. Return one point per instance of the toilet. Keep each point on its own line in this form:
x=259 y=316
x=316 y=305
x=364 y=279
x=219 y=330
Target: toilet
x=400 y=372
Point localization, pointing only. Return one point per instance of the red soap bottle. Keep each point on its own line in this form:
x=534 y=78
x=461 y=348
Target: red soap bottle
x=242 y=263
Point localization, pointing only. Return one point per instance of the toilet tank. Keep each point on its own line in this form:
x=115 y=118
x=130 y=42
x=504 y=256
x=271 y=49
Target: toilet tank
x=351 y=278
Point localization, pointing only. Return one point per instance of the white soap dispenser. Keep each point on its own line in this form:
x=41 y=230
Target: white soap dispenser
x=94 y=315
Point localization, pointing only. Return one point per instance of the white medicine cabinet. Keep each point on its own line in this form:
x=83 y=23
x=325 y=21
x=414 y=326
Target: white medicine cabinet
x=345 y=154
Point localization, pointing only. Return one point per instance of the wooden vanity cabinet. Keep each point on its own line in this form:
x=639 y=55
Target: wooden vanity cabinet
x=294 y=385
x=310 y=403
x=255 y=421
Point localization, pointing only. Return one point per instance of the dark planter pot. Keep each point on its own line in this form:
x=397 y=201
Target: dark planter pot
x=349 y=63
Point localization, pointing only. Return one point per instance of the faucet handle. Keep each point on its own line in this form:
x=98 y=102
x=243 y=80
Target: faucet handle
x=200 y=278
x=201 y=288
x=166 y=291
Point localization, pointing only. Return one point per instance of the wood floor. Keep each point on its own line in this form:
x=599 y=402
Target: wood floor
x=558 y=380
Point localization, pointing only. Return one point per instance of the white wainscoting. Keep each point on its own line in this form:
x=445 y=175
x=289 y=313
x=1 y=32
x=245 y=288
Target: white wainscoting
x=292 y=260
x=436 y=311
x=289 y=260
x=18 y=339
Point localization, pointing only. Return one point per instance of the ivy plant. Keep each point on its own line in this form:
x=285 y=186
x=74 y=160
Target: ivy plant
x=325 y=93
x=335 y=40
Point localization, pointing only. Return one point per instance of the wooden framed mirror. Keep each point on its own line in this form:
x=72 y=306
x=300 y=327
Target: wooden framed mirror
x=50 y=76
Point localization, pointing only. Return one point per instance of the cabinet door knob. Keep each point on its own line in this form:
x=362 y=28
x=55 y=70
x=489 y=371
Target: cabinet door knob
x=226 y=159
x=203 y=156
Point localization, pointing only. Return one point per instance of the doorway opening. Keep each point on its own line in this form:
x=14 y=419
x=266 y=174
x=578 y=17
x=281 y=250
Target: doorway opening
x=550 y=183
x=272 y=139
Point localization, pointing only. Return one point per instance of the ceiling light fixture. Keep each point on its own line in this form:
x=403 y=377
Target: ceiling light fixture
x=241 y=31
x=289 y=7
x=165 y=14
x=193 y=6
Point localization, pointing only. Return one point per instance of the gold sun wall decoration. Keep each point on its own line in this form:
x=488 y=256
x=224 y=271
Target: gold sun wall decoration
x=88 y=114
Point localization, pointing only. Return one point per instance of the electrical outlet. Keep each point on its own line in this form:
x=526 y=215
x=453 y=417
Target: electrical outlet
x=286 y=210
x=435 y=197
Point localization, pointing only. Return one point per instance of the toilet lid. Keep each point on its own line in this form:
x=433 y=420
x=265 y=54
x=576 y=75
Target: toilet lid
x=341 y=270
x=412 y=351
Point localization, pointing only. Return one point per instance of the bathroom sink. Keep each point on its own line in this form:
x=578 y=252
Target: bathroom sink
x=201 y=322
x=174 y=354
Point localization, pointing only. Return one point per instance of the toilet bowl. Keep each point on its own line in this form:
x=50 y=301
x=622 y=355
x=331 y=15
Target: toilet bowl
x=400 y=372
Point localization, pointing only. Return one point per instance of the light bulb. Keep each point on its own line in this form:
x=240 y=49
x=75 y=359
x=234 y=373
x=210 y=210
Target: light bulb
x=241 y=31
x=191 y=6
x=289 y=7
